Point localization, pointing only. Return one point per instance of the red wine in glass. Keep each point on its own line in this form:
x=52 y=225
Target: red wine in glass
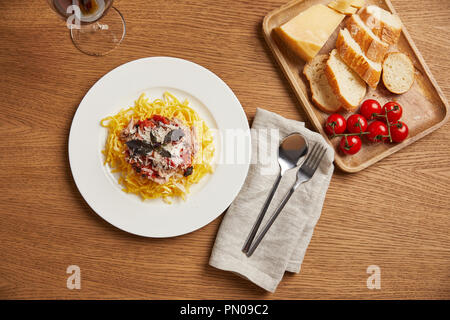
x=94 y=29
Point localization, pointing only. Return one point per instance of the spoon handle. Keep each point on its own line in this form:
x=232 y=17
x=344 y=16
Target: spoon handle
x=270 y=222
x=255 y=227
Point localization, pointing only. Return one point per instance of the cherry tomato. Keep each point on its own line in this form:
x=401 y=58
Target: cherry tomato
x=369 y=108
x=338 y=122
x=399 y=131
x=350 y=144
x=394 y=111
x=377 y=130
x=356 y=123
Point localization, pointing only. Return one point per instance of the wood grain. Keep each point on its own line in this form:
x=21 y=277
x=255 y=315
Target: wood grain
x=399 y=218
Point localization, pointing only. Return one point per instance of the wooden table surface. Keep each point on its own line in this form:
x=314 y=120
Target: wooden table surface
x=398 y=220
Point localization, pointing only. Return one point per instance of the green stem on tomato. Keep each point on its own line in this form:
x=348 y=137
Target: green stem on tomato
x=348 y=134
x=332 y=125
x=385 y=116
x=388 y=125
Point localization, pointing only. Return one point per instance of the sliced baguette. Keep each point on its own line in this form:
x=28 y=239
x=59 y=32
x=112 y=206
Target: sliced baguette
x=352 y=55
x=371 y=45
x=385 y=25
x=346 y=84
x=322 y=94
x=398 y=72
x=343 y=6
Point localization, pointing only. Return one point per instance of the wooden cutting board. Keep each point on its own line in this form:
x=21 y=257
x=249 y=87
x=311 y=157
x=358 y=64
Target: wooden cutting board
x=425 y=108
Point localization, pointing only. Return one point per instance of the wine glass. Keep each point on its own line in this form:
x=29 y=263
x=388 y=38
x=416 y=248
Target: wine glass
x=96 y=27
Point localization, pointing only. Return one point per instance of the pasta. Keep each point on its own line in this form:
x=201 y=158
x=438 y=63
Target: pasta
x=178 y=185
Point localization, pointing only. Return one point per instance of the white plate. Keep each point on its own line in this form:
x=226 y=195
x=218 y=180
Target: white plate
x=208 y=95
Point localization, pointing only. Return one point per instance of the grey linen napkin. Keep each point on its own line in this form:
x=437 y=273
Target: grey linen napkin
x=284 y=245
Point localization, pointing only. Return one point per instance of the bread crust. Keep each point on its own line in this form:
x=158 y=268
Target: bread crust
x=384 y=31
x=332 y=80
x=375 y=49
x=313 y=98
x=386 y=82
x=357 y=62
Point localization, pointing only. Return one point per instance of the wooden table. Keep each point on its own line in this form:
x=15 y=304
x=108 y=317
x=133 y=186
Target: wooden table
x=399 y=218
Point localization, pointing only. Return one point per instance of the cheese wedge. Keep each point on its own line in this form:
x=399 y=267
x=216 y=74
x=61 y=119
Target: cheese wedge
x=343 y=6
x=306 y=33
x=358 y=3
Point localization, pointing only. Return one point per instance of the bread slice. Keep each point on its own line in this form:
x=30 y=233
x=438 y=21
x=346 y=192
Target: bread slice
x=371 y=45
x=346 y=84
x=343 y=6
x=385 y=25
x=322 y=94
x=352 y=55
x=358 y=3
x=398 y=72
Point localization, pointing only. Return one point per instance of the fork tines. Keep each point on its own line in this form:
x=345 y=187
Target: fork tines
x=314 y=158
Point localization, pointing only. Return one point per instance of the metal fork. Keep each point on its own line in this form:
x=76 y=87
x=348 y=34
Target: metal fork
x=304 y=173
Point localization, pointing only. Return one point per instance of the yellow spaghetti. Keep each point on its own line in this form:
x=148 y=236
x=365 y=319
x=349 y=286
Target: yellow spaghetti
x=170 y=107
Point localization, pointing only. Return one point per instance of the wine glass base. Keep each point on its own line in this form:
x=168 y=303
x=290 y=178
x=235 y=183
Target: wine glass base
x=101 y=37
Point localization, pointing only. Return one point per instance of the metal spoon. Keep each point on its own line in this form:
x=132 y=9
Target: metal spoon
x=291 y=149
